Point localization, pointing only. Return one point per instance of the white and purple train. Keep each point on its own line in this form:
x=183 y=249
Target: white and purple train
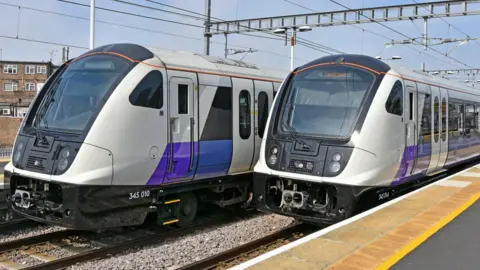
x=120 y=132
x=349 y=127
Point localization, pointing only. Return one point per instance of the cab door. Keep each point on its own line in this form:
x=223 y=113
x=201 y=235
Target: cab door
x=182 y=150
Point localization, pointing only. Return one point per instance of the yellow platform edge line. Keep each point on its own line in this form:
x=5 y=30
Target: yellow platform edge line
x=4 y=159
x=392 y=260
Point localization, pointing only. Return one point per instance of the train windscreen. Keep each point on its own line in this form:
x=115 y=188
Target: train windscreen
x=76 y=95
x=325 y=101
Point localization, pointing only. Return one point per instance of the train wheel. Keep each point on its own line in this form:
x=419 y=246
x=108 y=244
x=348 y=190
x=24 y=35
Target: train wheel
x=186 y=210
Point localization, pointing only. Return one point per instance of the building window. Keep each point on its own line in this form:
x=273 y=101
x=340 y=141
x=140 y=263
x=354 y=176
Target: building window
x=42 y=69
x=21 y=112
x=10 y=69
x=30 y=86
x=29 y=69
x=149 y=92
x=10 y=87
x=394 y=103
x=4 y=111
x=244 y=114
x=262 y=113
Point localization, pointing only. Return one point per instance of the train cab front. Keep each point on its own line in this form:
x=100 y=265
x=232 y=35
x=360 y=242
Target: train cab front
x=57 y=175
x=311 y=139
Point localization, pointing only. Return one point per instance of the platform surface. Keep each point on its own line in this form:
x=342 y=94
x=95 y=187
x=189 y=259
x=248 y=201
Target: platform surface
x=423 y=230
x=455 y=246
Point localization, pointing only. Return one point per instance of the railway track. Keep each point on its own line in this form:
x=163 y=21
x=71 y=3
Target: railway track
x=252 y=249
x=81 y=246
x=16 y=224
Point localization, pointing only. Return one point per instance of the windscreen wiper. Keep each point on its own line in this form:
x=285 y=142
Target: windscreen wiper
x=48 y=99
x=294 y=132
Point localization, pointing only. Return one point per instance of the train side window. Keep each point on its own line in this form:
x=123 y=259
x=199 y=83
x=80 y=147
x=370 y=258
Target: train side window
x=444 y=119
x=394 y=104
x=244 y=114
x=219 y=122
x=453 y=124
x=410 y=101
x=435 y=119
x=149 y=92
x=469 y=119
x=182 y=99
x=262 y=112
x=477 y=119
x=424 y=119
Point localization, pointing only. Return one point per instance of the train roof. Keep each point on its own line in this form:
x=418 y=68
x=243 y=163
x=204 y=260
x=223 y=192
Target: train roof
x=193 y=62
x=207 y=63
x=378 y=66
x=424 y=77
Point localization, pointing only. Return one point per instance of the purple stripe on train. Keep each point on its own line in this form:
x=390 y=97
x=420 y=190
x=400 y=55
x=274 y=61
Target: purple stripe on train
x=423 y=153
x=210 y=159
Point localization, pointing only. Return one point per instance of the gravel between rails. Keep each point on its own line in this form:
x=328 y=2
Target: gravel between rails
x=28 y=232
x=176 y=252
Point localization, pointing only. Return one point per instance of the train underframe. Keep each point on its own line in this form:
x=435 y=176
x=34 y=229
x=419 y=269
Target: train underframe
x=316 y=203
x=101 y=207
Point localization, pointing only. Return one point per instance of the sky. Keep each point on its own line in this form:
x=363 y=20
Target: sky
x=35 y=25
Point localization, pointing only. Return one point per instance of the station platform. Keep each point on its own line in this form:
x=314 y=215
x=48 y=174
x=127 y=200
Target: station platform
x=434 y=227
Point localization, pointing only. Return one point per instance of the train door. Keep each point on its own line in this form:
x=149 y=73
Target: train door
x=443 y=110
x=263 y=97
x=435 y=127
x=183 y=150
x=243 y=133
x=410 y=119
x=424 y=128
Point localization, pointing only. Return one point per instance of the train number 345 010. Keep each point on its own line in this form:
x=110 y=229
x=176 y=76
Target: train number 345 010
x=139 y=194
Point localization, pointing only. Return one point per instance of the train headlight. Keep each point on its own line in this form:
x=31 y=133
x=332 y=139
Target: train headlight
x=274 y=150
x=272 y=159
x=335 y=166
x=337 y=157
x=17 y=155
x=309 y=165
x=63 y=161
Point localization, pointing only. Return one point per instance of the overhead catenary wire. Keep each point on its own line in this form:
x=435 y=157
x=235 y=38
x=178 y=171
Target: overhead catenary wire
x=133 y=14
x=117 y=24
x=301 y=41
x=153 y=18
x=379 y=35
x=44 y=42
x=400 y=33
x=449 y=24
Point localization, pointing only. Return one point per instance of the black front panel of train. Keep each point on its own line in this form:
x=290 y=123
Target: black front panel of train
x=316 y=159
x=46 y=155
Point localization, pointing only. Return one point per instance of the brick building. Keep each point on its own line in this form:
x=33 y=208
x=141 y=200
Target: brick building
x=19 y=83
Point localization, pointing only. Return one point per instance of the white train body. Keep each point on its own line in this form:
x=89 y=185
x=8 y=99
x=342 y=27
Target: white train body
x=345 y=127
x=120 y=131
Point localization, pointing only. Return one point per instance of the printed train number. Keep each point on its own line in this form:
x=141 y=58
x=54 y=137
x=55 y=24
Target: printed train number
x=139 y=194
x=383 y=195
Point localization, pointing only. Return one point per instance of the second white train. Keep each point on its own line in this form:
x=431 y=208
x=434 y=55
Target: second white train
x=348 y=127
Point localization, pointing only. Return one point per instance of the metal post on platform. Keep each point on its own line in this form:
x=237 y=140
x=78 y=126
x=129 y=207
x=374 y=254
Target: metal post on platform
x=92 y=24
x=226 y=45
x=292 y=44
x=207 y=35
